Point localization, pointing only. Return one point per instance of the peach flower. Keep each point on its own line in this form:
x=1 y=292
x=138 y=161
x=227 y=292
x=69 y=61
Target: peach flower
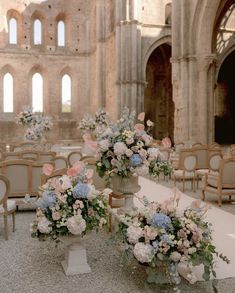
x=141 y=116
x=47 y=169
x=166 y=142
x=139 y=127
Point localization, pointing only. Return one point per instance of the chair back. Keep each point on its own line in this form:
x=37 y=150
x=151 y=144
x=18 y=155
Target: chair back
x=29 y=155
x=202 y=157
x=11 y=155
x=182 y=154
x=46 y=156
x=232 y=151
x=214 y=161
x=4 y=190
x=227 y=171
x=60 y=162
x=18 y=173
x=190 y=162
x=73 y=157
x=90 y=162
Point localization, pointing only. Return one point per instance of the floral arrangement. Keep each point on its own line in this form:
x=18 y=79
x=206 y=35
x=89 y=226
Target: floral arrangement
x=96 y=123
x=161 y=167
x=69 y=205
x=125 y=148
x=37 y=123
x=162 y=234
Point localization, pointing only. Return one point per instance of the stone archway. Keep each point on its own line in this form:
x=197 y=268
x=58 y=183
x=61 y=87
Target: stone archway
x=158 y=103
x=225 y=102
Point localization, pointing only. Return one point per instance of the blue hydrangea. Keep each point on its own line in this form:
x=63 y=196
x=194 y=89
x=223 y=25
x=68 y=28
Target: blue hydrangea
x=155 y=244
x=81 y=190
x=161 y=220
x=48 y=200
x=135 y=160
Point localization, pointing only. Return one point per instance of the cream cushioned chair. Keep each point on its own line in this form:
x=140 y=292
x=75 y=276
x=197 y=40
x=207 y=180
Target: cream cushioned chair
x=222 y=183
x=73 y=157
x=7 y=206
x=60 y=162
x=187 y=166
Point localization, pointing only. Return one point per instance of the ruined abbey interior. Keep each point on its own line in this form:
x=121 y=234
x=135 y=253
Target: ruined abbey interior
x=172 y=59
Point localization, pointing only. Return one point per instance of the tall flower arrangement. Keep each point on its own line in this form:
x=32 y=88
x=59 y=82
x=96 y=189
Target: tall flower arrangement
x=124 y=149
x=37 y=123
x=69 y=205
x=161 y=233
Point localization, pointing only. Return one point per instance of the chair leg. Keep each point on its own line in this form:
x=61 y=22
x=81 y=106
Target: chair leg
x=203 y=194
x=13 y=221
x=5 y=228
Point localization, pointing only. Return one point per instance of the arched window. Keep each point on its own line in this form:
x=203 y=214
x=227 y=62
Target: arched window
x=12 y=31
x=8 y=93
x=61 y=34
x=66 y=93
x=37 y=32
x=37 y=92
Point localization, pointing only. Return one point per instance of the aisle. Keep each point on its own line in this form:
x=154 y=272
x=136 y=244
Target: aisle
x=223 y=224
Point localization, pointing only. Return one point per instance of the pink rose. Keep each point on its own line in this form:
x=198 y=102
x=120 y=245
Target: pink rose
x=56 y=216
x=141 y=116
x=139 y=127
x=166 y=142
x=181 y=233
x=47 y=169
x=76 y=169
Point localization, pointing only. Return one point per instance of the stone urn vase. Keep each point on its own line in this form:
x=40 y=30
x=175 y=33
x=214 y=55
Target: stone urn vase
x=75 y=261
x=128 y=187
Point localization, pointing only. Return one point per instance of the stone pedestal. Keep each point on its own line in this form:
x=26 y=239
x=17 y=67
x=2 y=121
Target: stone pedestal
x=75 y=259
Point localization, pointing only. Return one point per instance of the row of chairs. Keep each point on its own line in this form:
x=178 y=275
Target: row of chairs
x=60 y=161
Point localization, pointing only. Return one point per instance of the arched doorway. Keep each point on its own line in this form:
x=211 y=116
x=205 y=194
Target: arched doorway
x=158 y=103
x=225 y=102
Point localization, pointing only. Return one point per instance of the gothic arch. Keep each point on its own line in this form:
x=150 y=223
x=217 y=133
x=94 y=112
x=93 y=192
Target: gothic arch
x=12 y=13
x=7 y=69
x=38 y=15
x=164 y=40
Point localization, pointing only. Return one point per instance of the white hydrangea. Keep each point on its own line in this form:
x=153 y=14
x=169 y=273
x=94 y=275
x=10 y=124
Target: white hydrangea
x=120 y=148
x=144 y=253
x=44 y=225
x=104 y=145
x=76 y=224
x=134 y=233
x=175 y=256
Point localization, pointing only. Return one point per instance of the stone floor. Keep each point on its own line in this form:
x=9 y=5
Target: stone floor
x=27 y=265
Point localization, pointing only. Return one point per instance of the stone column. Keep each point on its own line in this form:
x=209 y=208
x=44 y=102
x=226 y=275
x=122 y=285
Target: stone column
x=100 y=15
x=204 y=101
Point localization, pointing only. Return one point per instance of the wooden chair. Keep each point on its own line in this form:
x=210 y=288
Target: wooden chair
x=223 y=183
x=187 y=167
x=60 y=162
x=213 y=165
x=7 y=206
x=46 y=156
x=73 y=157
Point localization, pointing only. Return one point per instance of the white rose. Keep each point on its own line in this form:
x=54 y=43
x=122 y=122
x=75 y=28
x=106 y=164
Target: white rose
x=76 y=224
x=120 y=148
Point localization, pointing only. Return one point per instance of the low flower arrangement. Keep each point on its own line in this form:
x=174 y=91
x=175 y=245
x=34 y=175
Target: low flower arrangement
x=125 y=148
x=69 y=205
x=37 y=123
x=162 y=234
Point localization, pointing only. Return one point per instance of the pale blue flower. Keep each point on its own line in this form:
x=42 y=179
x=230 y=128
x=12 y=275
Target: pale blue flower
x=165 y=238
x=48 y=200
x=81 y=190
x=135 y=160
x=161 y=220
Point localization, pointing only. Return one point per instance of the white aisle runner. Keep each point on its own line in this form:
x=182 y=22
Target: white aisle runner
x=223 y=224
